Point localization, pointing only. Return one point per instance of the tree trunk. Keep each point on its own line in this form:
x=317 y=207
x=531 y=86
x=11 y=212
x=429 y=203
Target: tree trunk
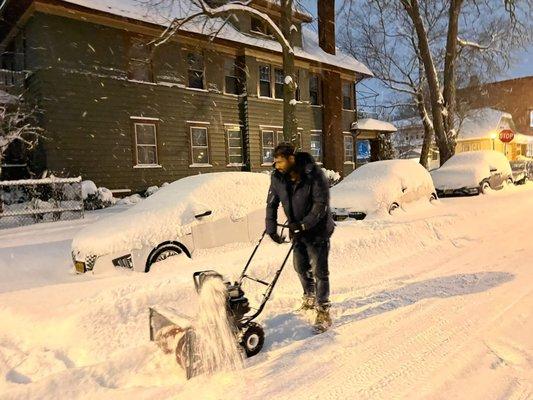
x=449 y=71
x=436 y=100
x=290 y=123
x=428 y=130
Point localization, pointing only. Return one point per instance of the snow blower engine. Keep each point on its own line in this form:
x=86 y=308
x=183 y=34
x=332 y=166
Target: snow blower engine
x=173 y=332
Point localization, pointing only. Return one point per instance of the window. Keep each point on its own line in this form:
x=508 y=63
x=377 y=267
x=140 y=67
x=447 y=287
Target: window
x=316 y=146
x=268 y=146
x=314 y=89
x=231 y=80
x=234 y=135
x=348 y=149
x=264 y=81
x=199 y=145
x=347 y=96
x=531 y=118
x=278 y=88
x=258 y=26
x=270 y=139
x=297 y=78
x=145 y=143
x=195 y=70
x=140 y=66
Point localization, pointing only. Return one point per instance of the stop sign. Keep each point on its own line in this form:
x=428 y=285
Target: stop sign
x=506 y=135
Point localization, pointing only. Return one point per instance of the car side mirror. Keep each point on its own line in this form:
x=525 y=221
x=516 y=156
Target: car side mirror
x=204 y=214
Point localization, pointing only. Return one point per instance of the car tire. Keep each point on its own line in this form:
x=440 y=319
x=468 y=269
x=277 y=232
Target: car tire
x=433 y=197
x=485 y=187
x=392 y=207
x=509 y=182
x=161 y=253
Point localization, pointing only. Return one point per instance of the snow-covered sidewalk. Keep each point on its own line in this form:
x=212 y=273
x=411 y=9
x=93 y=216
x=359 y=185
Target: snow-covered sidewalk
x=435 y=302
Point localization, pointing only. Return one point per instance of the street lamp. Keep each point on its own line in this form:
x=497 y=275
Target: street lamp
x=493 y=136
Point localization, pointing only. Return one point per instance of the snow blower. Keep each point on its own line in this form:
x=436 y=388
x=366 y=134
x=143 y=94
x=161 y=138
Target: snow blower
x=174 y=332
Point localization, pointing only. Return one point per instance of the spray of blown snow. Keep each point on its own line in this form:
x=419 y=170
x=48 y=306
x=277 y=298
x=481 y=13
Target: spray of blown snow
x=216 y=344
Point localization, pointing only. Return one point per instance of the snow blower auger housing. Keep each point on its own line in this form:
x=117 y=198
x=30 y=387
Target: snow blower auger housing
x=174 y=332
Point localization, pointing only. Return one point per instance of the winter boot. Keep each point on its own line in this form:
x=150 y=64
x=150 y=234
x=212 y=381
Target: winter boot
x=308 y=303
x=323 y=319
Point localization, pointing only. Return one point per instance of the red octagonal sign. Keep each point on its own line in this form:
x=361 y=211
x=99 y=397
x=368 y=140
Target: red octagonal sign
x=506 y=135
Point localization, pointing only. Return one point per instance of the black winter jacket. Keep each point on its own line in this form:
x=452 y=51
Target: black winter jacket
x=306 y=202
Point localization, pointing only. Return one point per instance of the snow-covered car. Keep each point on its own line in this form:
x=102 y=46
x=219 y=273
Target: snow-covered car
x=195 y=212
x=380 y=186
x=522 y=171
x=472 y=173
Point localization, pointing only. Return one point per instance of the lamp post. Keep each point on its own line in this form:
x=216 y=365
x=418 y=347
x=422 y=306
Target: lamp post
x=493 y=136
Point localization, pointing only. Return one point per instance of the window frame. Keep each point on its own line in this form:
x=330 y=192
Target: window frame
x=201 y=54
x=318 y=90
x=234 y=128
x=149 y=122
x=266 y=30
x=276 y=83
x=270 y=96
x=346 y=161
x=235 y=77
x=350 y=95
x=192 y=146
x=131 y=60
x=319 y=134
x=274 y=141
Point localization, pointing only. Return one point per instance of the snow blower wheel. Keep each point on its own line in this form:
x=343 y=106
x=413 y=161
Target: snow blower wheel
x=253 y=339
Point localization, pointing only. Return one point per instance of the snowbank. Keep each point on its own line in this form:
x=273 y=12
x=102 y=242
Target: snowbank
x=377 y=185
x=170 y=212
x=468 y=169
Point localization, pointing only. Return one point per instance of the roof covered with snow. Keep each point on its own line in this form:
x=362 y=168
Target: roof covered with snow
x=371 y=124
x=170 y=10
x=408 y=123
x=482 y=123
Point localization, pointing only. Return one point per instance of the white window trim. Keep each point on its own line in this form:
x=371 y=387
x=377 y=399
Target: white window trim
x=270 y=69
x=145 y=118
x=194 y=164
x=274 y=140
x=238 y=128
x=345 y=135
x=137 y=165
x=315 y=132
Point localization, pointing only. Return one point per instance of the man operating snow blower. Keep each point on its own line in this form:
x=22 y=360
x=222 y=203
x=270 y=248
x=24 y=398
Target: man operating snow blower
x=303 y=190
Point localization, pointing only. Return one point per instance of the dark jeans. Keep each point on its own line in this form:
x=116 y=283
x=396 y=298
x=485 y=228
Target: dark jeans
x=310 y=260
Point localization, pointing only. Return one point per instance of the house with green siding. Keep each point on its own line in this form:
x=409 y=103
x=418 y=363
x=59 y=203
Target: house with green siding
x=127 y=114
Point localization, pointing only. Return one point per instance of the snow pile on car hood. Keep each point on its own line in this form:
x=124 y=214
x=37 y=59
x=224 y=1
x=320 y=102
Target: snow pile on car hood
x=468 y=169
x=377 y=185
x=170 y=212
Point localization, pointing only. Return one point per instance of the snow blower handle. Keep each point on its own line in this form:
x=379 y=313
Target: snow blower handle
x=255 y=250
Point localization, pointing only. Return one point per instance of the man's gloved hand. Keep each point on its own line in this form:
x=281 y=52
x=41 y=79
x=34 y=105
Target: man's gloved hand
x=296 y=229
x=277 y=238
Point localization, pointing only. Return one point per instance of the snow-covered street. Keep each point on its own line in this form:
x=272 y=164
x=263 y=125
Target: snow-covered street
x=435 y=302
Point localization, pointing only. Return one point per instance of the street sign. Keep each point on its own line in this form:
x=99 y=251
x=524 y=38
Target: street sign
x=506 y=135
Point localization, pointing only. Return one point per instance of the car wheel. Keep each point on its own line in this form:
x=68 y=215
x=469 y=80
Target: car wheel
x=509 y=182
x=162 y=253
x=485 y=187
x=392 y=207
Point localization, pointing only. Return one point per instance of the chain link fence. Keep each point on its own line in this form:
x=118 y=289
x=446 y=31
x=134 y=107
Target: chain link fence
x=30 y=201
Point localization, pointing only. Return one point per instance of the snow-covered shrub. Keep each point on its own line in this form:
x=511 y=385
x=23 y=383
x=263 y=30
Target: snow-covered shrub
x=151 y=190
x=88 y=188
x=332 y=176
x=133 y=199
x=95 y=198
